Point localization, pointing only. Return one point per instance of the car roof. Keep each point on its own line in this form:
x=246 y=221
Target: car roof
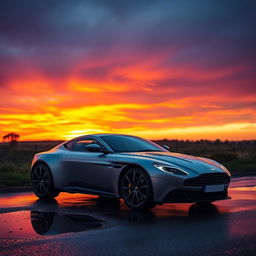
x=109 y=134
x=100 y=134
x=106 y=134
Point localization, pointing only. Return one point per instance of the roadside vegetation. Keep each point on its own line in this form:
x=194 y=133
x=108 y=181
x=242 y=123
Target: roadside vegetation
x=15 y=161
x=238 y=156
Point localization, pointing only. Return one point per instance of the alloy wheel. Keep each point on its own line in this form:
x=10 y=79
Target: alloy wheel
x=135 y=188
x=40 y=180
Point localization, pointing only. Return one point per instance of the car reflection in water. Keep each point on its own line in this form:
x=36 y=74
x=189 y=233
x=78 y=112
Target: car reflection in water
x=50 y=223
x=195 y=211
x=203 y=210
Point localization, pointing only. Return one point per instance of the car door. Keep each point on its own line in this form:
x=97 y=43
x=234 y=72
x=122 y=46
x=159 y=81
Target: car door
x=88 y=170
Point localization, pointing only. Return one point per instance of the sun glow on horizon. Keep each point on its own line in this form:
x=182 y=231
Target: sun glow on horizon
x=181 y=119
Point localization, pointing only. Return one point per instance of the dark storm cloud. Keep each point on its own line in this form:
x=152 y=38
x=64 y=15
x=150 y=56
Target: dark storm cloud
x=55 y=35
x=159 y=23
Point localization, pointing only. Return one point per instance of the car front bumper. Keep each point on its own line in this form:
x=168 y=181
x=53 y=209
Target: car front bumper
x=193 y=196
x=178 y=189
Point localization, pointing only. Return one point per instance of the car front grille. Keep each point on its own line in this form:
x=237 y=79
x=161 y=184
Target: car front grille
x=208 y=179
x=179 y=196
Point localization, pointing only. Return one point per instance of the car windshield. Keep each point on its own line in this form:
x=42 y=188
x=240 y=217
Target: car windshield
x=122 y=143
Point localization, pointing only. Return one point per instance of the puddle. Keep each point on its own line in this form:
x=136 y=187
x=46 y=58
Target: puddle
x=27 y=224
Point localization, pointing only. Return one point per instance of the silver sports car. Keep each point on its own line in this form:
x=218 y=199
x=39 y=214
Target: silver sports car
x=122 y=166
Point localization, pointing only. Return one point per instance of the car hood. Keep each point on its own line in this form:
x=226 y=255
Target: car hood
x=197 y=164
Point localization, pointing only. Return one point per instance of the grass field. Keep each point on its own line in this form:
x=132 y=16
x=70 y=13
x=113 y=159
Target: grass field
x=238 y=157
x=15 y=161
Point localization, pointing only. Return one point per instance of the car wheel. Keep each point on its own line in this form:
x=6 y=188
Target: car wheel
x=42 y=182
x=136 y=189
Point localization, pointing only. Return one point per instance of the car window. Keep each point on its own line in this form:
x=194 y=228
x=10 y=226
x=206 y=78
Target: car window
x=69 y=145
x=80 y=145
x=123 y=143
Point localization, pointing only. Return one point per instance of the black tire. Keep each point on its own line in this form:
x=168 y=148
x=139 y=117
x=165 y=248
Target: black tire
x=136 y=189
x=42 y=182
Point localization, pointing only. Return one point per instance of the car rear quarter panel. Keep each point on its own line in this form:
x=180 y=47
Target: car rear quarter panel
x=53 y=160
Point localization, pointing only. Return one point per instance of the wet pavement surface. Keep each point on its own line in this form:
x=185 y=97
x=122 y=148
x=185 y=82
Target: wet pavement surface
x=76 y=224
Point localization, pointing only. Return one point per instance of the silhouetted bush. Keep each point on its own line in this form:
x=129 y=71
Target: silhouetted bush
x=224 y=156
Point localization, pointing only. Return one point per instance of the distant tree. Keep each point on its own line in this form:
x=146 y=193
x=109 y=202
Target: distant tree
x=217 y=142
x=11 y=138
x=226 y=142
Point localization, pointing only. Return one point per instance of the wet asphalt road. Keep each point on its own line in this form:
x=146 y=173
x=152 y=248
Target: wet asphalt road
x=76 y=224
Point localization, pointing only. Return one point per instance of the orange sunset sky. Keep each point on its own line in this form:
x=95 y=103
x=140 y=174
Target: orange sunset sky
x=157 y=69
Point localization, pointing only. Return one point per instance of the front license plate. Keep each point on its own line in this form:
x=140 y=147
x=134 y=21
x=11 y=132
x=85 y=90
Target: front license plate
x=214 y=188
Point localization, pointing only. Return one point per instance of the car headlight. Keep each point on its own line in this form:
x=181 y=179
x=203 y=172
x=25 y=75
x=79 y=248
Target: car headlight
x=170 y=169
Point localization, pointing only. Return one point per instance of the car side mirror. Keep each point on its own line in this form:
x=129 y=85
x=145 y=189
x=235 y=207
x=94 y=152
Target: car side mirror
x=166 y=147
x=94 y=148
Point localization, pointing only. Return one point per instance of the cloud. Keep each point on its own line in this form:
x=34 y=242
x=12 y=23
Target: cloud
x=183 y=63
